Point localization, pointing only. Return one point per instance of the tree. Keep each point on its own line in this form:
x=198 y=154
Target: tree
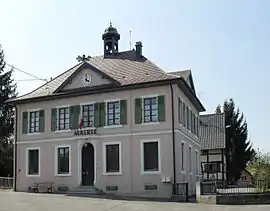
x=259 y=167
x=7 y=91
x=239 y=149
x=218 y=109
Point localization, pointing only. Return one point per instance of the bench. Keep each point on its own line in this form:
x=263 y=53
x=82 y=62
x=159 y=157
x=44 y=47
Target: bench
x=41 y=187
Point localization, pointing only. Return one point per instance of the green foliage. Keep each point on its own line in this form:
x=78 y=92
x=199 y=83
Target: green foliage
x=7 y=91
x=239 y=151
x=259 y=167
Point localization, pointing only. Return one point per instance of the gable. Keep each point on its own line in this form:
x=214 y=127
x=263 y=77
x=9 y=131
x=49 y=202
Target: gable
x=189 y=81
x=86 y=74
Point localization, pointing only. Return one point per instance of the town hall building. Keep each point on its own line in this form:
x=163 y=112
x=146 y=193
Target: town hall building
x=116 y=122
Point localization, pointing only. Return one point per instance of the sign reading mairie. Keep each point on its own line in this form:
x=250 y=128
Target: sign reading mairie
x=85 y=132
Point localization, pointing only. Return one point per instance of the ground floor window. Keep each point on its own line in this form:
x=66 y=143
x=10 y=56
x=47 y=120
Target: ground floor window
x=112 y=158
x=150 y=156
x=63 y=160
x=33 y=161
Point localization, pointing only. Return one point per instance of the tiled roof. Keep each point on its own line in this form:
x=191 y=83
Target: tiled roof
x=181 y=73
x=124 y=67
x=212 y=131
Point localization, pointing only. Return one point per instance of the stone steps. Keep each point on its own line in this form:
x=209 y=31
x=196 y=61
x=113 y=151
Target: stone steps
x=84 y=191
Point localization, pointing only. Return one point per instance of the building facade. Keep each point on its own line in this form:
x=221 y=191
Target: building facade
x=213 y=145
x=116 y=122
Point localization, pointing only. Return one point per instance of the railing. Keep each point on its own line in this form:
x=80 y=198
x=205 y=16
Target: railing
x=6 y=182
x=252 y=187
x=223 y=188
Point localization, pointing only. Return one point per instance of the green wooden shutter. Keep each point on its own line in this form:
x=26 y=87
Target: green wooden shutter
x=123 y=112
x=96 y=115
x=25 y=123
x=74 y=113
x=53 y=119
x=102 y=114
x=41 y=121
x=138 y=111
x=161 y=108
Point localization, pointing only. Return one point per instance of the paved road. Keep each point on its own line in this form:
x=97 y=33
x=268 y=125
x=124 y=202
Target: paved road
x=10 y=201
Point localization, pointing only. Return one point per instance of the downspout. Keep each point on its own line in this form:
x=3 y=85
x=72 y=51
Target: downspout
x=15 y=151
x=173 y=140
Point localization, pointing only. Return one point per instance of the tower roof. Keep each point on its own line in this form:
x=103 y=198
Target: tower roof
x=111 y=31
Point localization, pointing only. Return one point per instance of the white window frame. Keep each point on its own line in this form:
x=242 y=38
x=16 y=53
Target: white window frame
x=190 y=159
x=142 y=157
x=27 y=162
x=81 y=112
x=181 y=111
x=104 y=155
x=183 y=158
x=142 y=106
x=56 y=160
x=58 y=120
x=28 y=120
x=106 y=113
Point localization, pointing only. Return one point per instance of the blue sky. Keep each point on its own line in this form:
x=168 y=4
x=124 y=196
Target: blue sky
x=225 y=43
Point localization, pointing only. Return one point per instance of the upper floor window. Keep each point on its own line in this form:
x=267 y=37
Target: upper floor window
x=113 y=113
x=63 y=114
x=88 y=115
x=33 y=121
x=182 y=156
x=150 y=109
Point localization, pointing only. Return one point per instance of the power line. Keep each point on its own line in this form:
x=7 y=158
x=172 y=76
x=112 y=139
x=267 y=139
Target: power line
x=36 y=78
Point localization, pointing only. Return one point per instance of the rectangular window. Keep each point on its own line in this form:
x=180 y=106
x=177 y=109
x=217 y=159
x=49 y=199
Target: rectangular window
x=190 y=159
x=33 y=162
x=192 y=122
x=113 y=113
x=212 y=167
x=63 y=160
x=197 y=162
x=112 y=158
x=184 y=115
x=150 y=153
x=180 y=111
x=34 y=122
x=63 y=117
x=188 y=117
x=150 y=109
x=88 y=115
x=183 y=156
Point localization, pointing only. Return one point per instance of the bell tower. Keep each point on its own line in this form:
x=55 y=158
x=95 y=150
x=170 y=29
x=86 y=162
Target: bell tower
x=110 y=38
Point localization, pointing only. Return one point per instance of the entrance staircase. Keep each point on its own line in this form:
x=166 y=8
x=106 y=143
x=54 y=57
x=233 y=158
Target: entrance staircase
x=85 y=191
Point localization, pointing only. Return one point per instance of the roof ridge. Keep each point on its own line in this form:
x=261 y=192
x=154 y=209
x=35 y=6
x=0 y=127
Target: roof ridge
x=50 y=80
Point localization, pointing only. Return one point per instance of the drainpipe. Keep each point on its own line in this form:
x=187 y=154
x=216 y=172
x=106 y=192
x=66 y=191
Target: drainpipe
x=173 y=139
x=15 y=150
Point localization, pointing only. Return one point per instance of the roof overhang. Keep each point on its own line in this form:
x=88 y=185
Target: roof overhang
x=112 y=88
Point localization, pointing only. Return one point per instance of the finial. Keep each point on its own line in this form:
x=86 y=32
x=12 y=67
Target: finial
x=83 y=58
x=110 y=24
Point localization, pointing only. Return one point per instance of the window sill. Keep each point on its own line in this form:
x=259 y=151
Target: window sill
x=62 y=131
x=150 y=123
x=63 y=175
x=112 y=173
x=112 y=126
x=33 y=134
x=33 y=175
x=151 y=172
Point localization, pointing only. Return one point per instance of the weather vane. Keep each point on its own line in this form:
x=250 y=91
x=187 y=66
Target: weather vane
x=83 y=58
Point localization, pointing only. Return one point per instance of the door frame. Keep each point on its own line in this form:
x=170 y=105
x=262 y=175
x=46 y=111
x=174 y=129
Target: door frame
x=80 y=146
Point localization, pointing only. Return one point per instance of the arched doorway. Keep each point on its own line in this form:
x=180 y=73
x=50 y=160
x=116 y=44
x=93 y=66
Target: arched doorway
x=88 y=170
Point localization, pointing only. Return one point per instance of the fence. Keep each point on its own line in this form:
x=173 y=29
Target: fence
x=223 y=188
x=6 y=182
